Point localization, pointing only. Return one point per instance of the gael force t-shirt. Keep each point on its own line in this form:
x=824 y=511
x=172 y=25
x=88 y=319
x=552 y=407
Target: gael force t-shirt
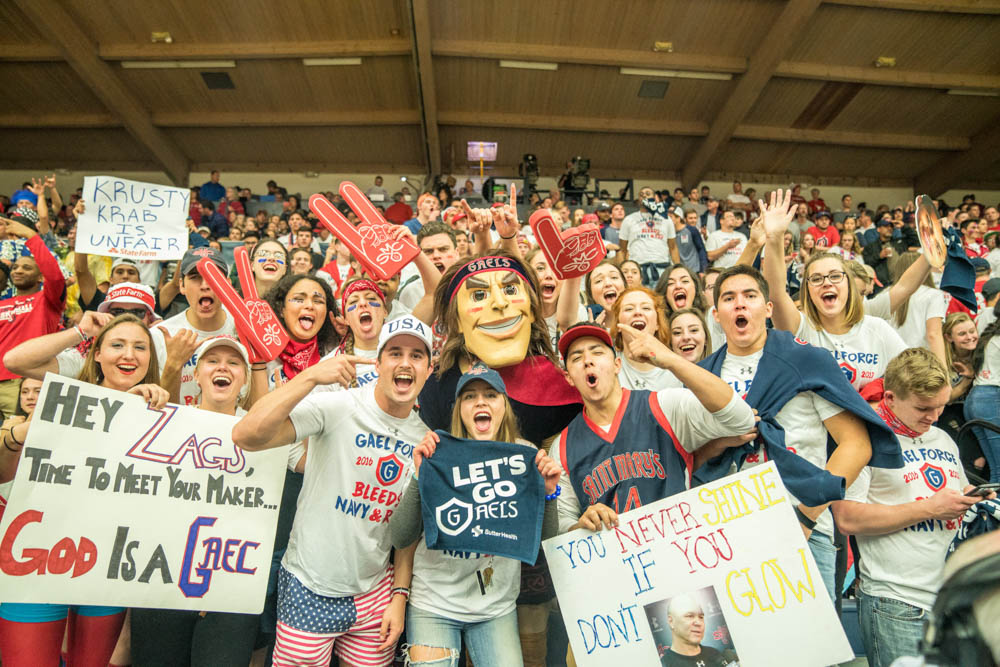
x=908 y=564
x=359 y=462
x=862 y=353
x=925 y=304
x=802 y=419
x=719 y=238
x=647 y=236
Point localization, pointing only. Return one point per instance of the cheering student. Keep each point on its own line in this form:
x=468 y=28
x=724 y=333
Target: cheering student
x=681 y=288
x=468 y=597
x=64 y=352
x=204 y=318
x=642 y=309
x=175 y=637
x=602 y=287
x=905 y=519
x=961 y=339
x=337 y=590
x=269 y=264
x=632 y=272
x=803 y=399
x=663 y=432
x=833 y=315
x=122 y=358
x=689 y=334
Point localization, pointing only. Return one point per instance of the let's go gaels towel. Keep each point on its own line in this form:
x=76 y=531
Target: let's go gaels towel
x=482 y=496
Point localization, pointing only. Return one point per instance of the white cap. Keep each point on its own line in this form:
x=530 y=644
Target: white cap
x=135 y=293
x=216 y=341
x=407 y=325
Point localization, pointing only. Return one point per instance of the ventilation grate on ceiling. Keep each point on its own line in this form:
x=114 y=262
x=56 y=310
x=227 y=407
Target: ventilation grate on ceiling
x=653 y=89
x=218 y=81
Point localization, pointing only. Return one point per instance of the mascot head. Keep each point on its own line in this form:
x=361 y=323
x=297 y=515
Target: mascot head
x=489 y=309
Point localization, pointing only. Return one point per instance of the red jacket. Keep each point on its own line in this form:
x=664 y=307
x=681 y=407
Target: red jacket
x=399 y=213
x=30 y=316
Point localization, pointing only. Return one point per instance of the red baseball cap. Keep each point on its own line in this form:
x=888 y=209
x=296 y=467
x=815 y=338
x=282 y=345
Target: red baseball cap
x=581 y=331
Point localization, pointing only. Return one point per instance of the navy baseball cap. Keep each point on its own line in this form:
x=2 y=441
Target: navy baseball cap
x=822 y=214
x=481 y=372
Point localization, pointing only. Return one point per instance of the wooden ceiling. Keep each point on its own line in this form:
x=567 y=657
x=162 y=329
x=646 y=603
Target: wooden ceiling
x=804 y=99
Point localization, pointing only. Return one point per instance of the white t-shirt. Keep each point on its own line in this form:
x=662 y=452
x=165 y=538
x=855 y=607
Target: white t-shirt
x=802 y=418
x=365 y=373
x=552 y=322
x=411 y=293
x=647 y=236
x=925 y=304
x=719 y=238
x=989 y=374
x=862 y=353
x=189 y=388
x=359 y=462
x=715 y=332
x=447 y=583
x=71 y=362
x=907 y=565
x=993 y=257
x=692 y=424
x=986 y=317
x=737 y=198
x=654 y=379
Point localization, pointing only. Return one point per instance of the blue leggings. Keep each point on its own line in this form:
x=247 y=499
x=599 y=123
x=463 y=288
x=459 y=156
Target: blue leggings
x=983 y=402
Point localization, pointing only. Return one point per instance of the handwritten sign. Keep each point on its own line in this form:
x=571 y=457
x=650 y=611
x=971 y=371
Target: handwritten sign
x=125 y=218
x=116 y=504
x=730 y=550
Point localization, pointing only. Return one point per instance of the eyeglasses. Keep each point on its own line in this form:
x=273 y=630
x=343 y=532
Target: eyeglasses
x=276 y=255
x=138 y=312
x=818 y=279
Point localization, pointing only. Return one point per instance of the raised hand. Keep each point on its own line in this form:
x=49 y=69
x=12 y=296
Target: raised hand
x=777 y=214
x=550 y=470
x=480 y=219
x=154 y=394
x=644 y=347
x=425 y=449
x=757 y=232
x=37 y=186
x=93 y=321
x=50 y=182
x=505 y=217
x=180 y=346
x=338 y=369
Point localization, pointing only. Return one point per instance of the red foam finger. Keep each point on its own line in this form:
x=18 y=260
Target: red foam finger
x=258 y=328
x=571 y=253
x=243 y=270
x=374 y=245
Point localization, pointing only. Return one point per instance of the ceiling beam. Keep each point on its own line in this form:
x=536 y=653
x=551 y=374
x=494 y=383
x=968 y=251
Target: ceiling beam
x=426 y=92
x=950 y=6
x=859 y=139
x=248 y=50
x=80 y=52
x=29 y=121
x=961 y=167
x=573 y=123
x=587 y=56
x=283 y=118
x=886 y=76
x=766 y=57
x=278 y=167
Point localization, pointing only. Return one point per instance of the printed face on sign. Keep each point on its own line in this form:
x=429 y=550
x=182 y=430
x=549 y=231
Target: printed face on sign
x=494 y=313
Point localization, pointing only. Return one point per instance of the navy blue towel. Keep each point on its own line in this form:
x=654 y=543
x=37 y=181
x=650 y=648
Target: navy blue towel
x=482 y=496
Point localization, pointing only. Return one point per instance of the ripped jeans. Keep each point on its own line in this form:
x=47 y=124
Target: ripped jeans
x=492 y=643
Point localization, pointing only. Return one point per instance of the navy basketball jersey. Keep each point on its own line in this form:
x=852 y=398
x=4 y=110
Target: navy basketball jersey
x=638 y=461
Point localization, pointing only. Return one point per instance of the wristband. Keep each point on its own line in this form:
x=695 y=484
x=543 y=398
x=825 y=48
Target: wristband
x=258 y=367
x=83 y=336
x=507 y=238
x=553 y=496
x=803 y=519
x=405 y=592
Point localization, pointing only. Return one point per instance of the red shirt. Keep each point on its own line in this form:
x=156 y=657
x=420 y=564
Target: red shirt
x=824 y=238
x=32 y=315
x=399 y=213
x=817 y=205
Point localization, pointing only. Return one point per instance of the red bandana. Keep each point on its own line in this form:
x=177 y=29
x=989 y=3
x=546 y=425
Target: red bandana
x=296 y=357
x=897 y=426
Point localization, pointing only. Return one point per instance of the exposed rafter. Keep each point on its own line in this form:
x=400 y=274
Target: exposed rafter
x=426 y=91
x=252 y=50
x=948 y=6
x=81 y=53
x=961 y=167
x=886 y=76
x=763 y=62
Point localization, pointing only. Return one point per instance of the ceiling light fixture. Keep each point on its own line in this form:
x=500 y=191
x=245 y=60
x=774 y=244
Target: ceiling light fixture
x=676 y=74
x=663 y=47
x=178 y=64
x=523 y=64
x=161 y=37
x=885 y=61
x=325 y=62
x=974 y=93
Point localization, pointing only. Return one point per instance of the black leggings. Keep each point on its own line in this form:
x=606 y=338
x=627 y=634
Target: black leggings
x=169 y=638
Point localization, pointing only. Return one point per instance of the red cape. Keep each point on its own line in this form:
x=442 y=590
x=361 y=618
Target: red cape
x=537 y=381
